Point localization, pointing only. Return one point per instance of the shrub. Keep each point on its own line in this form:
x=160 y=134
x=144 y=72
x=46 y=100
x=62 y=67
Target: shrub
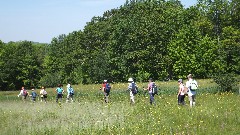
x=227 y=81
x=50 y=80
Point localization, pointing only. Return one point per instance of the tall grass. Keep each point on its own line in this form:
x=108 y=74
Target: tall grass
x=213 y=114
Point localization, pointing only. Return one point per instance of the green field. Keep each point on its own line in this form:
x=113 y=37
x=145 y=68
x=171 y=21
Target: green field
x=214 y=113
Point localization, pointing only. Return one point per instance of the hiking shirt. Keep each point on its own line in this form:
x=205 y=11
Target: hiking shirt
x=190 y=92
x=43 y=92
x=181 y=87
x=21 y=93
x=59 y=90
x=150 y=87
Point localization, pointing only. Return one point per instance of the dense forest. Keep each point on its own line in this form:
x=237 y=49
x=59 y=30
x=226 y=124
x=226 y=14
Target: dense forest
x=141 y=39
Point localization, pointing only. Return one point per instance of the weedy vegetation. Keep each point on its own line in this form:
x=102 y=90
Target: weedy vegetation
x=214 y=113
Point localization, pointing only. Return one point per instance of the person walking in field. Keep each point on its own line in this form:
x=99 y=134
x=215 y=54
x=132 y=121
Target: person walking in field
x=43 y=95
x=106 y=90
x=33 y=95
x=23 y=93
x=181 y=92
x=132 y=87
x=70 y=92
x=151 y=92
x=192 y=87
x=59 y=92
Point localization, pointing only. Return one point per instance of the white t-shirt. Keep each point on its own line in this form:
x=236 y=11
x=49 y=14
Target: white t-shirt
x=190 y=92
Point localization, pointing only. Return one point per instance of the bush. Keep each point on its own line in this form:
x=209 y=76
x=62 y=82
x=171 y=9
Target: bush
x=227 y=81
x=50 y=80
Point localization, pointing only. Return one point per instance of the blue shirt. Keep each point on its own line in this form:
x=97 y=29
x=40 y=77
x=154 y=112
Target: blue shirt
x=59 y=90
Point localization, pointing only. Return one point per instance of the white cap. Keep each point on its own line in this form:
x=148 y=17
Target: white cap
x=104 y=80
x=68 y=85
x=130 y=79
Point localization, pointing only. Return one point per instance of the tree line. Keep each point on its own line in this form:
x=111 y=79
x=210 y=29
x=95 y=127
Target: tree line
x=141 y=39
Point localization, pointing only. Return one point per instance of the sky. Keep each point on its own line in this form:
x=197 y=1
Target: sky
x=42 y=20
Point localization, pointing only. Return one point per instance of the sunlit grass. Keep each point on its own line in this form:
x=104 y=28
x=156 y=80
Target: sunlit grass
x=213 y=114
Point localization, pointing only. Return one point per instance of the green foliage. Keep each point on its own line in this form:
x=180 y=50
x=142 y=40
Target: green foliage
x=227 y=81
x=50 y=80
x=142 y=38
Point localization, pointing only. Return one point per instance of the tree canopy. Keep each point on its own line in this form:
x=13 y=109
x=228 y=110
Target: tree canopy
x=141 y=39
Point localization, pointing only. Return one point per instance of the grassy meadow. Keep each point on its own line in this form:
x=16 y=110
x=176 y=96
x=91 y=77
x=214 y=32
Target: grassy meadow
x=214 y=113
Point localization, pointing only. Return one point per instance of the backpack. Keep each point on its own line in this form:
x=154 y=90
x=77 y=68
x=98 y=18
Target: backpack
x=193 y=85
x=108 y=88
x=71 y=91
x=154 y=88
x=34 y=94
x=134 y=88
x=25 y=93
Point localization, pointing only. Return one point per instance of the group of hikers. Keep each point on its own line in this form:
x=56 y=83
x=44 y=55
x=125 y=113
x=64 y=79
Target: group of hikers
x=188 y=89
x=43 y=94
x=152 y=89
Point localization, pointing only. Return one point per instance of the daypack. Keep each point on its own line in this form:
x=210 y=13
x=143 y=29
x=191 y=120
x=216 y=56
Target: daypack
x=193 y=85
x=25 y=92
x=107 y=88
x=34 y=94
x=134 y=88
x=71 y=91
x=154 y=88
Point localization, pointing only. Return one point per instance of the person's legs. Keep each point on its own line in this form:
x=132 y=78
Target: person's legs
x=193 y=99
x=179 y=99
x=106 y=98
x=71 y=98
x=57 y=97
x=182 y=100
x=190 y=100
x=45 y=98
x=68 y=96
x=60 y=96
x=34 y=99
x=132 y=98
x=151 y=98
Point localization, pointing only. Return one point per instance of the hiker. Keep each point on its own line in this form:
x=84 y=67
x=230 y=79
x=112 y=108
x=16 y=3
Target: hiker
x=43 y=94
x=59 y=92
x=192 y=87
x=106 y=90
x=132 y=87
x=150 y=89
x=33 y=95
x=70 y=92
x=181 y=92
x=23 y=93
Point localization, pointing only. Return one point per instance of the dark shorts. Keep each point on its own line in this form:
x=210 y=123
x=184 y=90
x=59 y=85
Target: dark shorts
x=59 y=95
